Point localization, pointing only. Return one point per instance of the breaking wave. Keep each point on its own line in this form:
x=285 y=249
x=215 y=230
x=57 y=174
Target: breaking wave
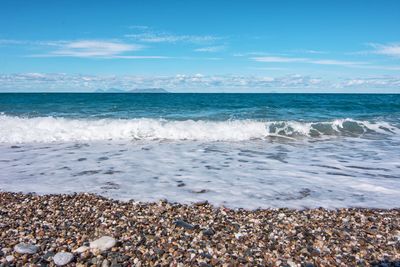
x=55 y=129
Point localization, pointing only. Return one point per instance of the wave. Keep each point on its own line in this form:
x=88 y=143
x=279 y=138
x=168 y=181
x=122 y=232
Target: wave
x=55 y=129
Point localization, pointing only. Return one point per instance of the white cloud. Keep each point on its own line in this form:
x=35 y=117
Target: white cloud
x=160 y=37
x=139 y=57
x=334 y=62
x=210 y=49
x=106 y=49
x=377 y=82
x=93 y=48
x=392 y=50
x=189 y=83
x=311 y=51
x=275 y=59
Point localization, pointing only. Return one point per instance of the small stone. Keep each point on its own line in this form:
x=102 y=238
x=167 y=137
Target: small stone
x=24 y=248
x=208 y=232
x=10 y=258
x=281 y=216
x=201 y=203
x=105 y=263
x=63 y=258
x=103 y=243
x=238 y=235
x=81 y=249
x=184 y=224
x=201 y=191
x=94 y=261
x=6 y=250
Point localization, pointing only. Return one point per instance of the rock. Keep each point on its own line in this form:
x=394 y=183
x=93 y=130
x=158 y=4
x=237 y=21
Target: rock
x=291 y=263
x=105 y=263
x=81 y=249
x=6 y=250
x=238 y=235
x=184 y=224
x=103 y=243
x=10 y=258
x=201 y=203
x=24 y=248
x=208 y=232
x=94 y=261
x=201 y=191
x=63 y=258
x=281 y=216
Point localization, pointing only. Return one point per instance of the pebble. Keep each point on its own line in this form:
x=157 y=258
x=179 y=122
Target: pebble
x=10 y=258
x=23 y=248
x=208 y=232
x=63 y=258
x=81 y=249
x=103 y=243
x=184 y=224
x=5 y=250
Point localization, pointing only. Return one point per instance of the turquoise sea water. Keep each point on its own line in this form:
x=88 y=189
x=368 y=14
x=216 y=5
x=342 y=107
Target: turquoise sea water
x=240 y=150
x=281 y=107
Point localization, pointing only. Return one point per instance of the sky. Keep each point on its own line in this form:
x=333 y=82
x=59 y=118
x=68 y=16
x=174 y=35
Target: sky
x=200 y=46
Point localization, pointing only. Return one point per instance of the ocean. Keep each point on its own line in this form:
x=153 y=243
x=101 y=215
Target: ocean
x=237 y=150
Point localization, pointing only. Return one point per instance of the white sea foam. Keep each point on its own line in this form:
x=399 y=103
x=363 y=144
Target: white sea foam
x=346 y=173
x=51 y=129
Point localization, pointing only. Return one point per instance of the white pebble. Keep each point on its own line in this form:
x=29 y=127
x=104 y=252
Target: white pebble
x=10 y=258
x=105 y=263
x=103 y=243
x=81 y=249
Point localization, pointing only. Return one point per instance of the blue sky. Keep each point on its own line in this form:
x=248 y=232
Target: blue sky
x=201 y=46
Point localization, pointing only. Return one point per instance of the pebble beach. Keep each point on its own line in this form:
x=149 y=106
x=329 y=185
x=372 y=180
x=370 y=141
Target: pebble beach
x=90 y=230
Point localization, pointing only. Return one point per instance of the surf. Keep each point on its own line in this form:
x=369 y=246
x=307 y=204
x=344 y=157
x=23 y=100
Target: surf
x=14 y=129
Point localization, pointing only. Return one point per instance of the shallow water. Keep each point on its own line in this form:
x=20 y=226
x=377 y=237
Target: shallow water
x=243 y=150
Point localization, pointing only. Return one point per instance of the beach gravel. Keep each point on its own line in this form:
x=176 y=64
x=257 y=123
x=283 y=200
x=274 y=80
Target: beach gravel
x=89 y=230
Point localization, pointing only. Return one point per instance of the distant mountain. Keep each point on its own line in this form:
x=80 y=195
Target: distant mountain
x=143 y=90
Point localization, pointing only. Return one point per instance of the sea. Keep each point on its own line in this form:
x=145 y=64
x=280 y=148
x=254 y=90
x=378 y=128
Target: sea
x=236 y=150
